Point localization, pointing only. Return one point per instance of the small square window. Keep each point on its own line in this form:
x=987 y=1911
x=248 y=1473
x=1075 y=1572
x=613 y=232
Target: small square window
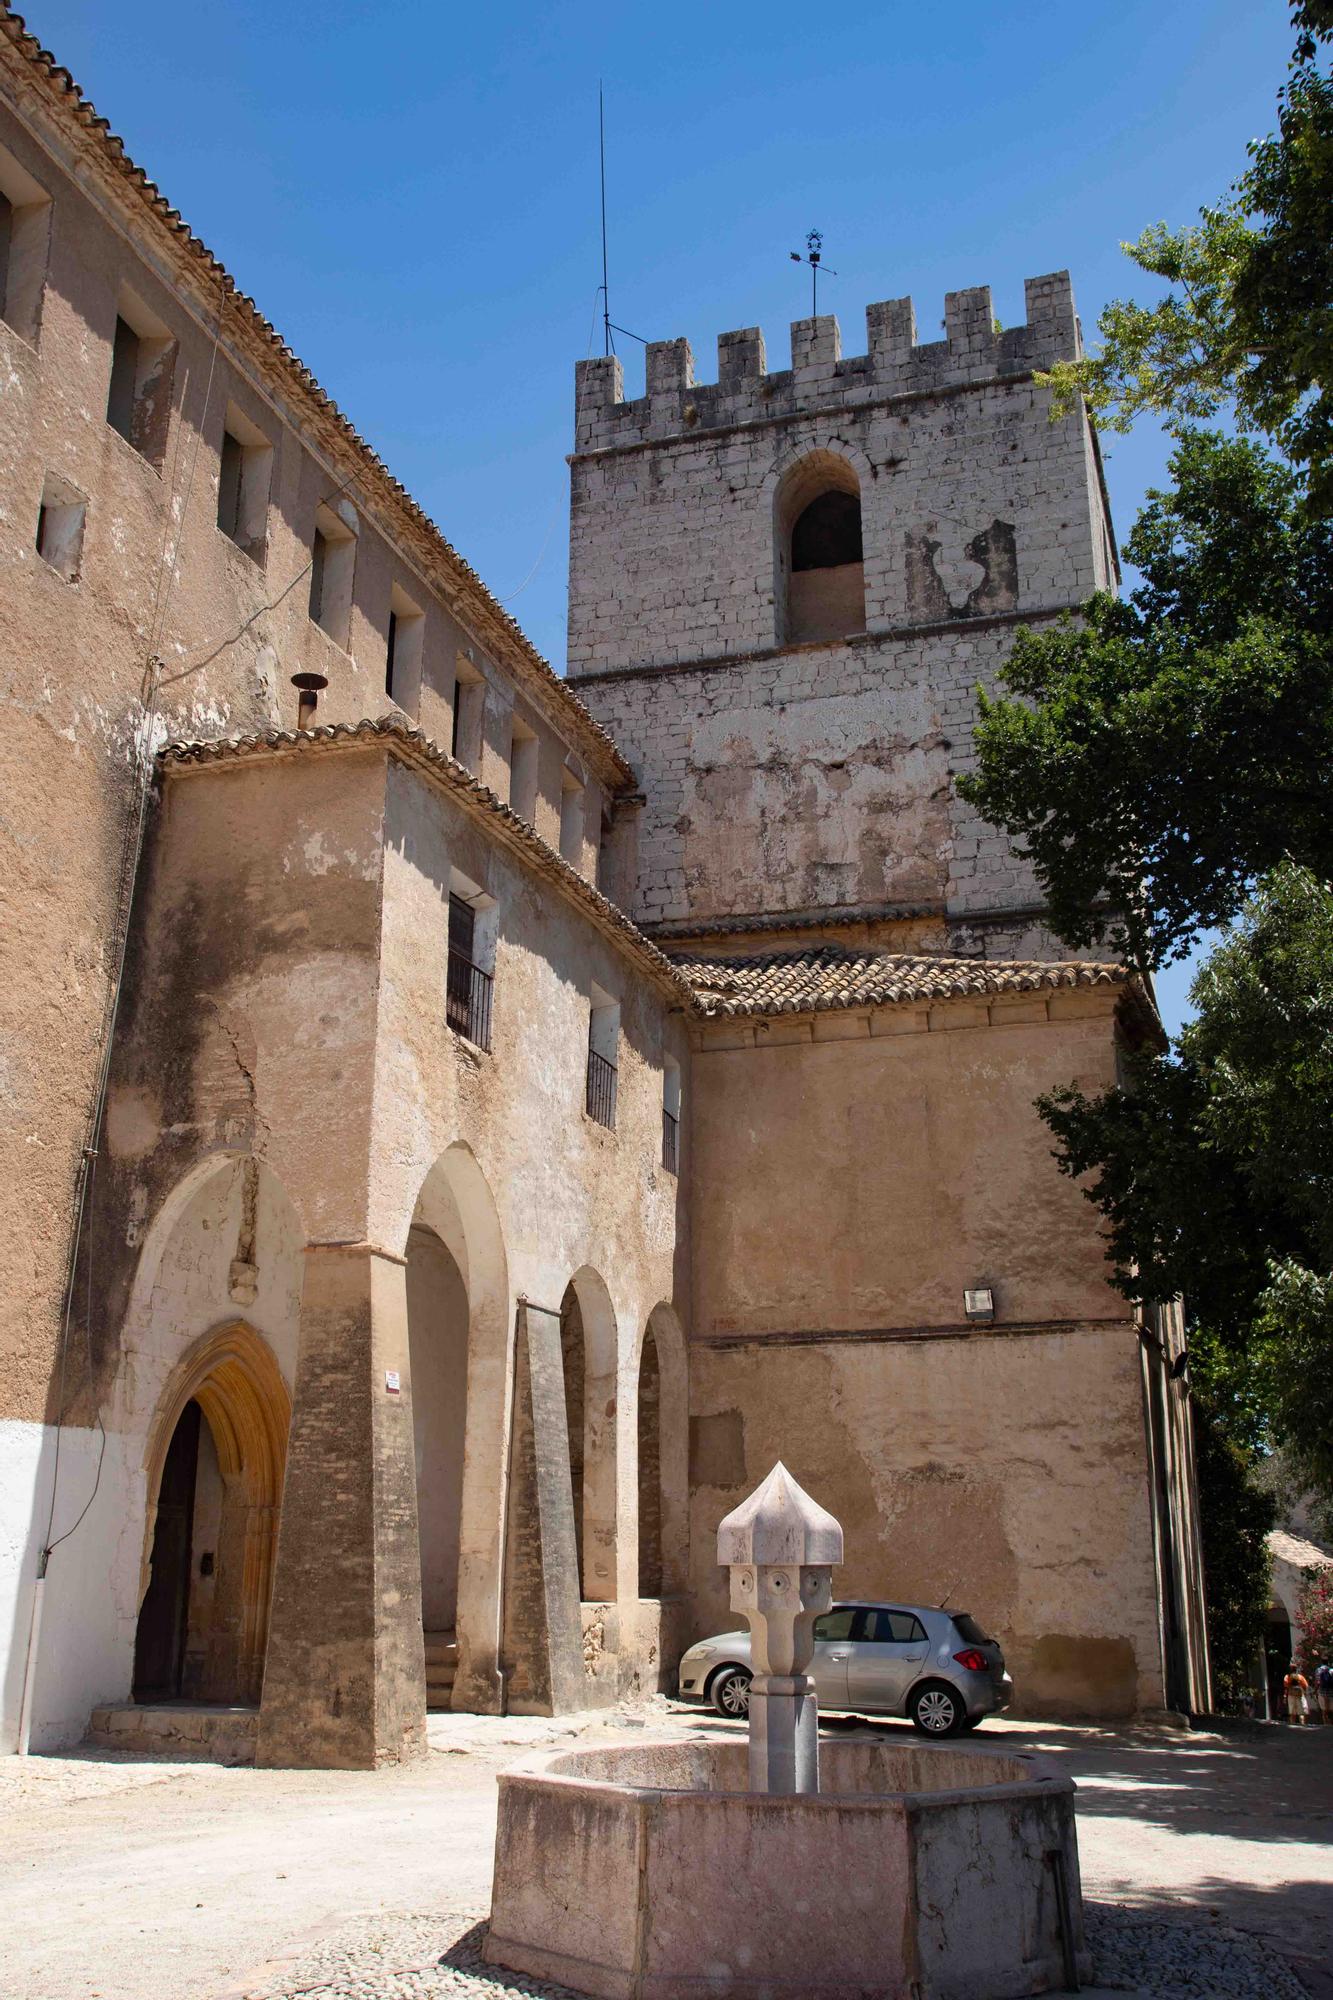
x=572 y=828
x=245 y=473
x=469 y=720
x=523 y=757
x=60 y=519
x=25 y=237
x=333 y=571
x=143 y=365
x=402 y=653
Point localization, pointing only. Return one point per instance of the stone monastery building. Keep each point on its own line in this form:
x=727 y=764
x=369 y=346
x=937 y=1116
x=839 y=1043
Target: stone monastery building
x=454 y=1146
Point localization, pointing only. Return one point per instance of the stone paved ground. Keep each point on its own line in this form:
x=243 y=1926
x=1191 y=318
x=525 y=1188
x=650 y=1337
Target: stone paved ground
x=1207 y=1863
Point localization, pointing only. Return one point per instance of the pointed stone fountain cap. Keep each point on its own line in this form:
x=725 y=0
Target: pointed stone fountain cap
x=779 y=1524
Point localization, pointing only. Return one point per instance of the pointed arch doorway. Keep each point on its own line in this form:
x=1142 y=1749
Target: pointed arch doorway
x=214 y=1473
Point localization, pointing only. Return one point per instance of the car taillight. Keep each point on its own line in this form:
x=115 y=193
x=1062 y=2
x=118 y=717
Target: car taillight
x=974 y=1661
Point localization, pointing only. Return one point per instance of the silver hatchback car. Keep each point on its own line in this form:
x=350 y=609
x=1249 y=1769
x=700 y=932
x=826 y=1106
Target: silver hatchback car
x=936 y=1667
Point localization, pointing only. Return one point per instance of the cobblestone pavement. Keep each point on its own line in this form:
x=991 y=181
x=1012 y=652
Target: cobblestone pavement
x=1207 y=1864
x=430 y=1957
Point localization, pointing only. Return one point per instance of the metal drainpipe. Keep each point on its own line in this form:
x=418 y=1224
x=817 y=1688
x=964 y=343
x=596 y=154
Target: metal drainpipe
x=523 y=1308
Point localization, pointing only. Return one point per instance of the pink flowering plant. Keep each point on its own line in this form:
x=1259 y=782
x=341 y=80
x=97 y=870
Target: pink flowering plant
x=1314 y=1610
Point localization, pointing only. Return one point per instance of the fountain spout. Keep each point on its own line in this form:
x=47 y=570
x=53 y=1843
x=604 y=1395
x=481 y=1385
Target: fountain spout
x=780 y=1547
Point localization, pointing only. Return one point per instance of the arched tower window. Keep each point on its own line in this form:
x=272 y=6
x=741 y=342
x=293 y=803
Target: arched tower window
x=821 y=573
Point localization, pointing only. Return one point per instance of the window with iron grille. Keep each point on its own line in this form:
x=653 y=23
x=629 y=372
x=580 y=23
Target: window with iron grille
x=671 y=1115
x=603 y=1051
x=467 y=1001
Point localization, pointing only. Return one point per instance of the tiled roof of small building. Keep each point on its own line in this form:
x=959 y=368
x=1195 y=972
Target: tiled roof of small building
x=831 y=976
x=66 y=93
x=1298 y=1550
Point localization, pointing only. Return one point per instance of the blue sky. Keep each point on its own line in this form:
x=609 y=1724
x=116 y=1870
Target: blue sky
x=410 y=192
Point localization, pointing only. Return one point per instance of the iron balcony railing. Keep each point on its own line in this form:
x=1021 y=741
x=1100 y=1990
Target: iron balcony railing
x=467 y=1000
x=670 y=1142
x=601 y=1097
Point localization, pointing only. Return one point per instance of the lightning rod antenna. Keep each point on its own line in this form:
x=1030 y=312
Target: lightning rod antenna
x=609 y=326
x=601 y=151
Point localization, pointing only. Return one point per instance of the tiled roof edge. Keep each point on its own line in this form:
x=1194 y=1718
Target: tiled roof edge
x=505 y=628
x=940 y=979
x=952 y=979
x=414 y=747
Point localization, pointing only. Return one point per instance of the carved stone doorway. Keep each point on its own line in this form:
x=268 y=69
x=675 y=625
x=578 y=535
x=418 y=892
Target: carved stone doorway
x=215 y=1473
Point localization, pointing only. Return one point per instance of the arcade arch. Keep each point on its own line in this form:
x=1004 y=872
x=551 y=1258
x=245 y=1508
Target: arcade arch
x=588 y=1350
x=662 y=1422
x=458 y=1347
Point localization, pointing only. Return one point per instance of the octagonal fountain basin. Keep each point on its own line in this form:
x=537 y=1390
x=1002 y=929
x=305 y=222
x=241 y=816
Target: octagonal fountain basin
x=927 y=1872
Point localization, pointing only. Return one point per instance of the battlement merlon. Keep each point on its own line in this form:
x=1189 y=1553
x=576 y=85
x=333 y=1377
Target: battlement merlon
x=972 y=352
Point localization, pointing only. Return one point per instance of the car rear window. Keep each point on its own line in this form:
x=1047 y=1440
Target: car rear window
x=967 y=1625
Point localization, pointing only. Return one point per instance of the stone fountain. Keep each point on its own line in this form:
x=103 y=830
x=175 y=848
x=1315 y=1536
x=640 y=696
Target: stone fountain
x=741 y=1870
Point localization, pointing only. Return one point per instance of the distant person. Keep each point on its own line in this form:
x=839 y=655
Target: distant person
x=1295 y=1687
x=1323 y=1690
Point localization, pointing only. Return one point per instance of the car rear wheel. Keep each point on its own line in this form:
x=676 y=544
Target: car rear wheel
x=937 y=1709
x=730 y=1691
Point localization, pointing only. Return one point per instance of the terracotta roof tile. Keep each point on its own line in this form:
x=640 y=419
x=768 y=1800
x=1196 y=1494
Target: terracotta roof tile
x=830 y=976
x=1298 y=1550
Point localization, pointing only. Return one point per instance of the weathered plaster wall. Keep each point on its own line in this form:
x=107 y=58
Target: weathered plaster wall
x=867 y=1170
x=157 y=574
x=571 y=1200
x=1005 y=1473
x=875 y=1164
x=819 y=779
x=799 y=778
x=287 y=1001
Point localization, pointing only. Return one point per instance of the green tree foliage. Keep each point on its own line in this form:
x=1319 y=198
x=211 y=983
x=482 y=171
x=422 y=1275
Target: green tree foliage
x=1245 y=324
x=1314 y=1609
x=1213 y=1170
x=1170 y=756
x=1158 y=756
x=1234 y=1516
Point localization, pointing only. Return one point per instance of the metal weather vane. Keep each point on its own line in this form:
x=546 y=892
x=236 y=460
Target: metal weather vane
x=814 y=257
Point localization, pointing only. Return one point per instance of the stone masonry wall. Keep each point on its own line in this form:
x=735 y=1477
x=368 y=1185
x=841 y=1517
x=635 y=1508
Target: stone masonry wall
x=799 y=779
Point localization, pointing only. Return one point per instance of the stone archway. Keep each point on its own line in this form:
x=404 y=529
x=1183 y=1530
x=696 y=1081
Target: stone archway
x=455 y=1206
x=664 y=1362
x=231 y=1379
x=588 y=1342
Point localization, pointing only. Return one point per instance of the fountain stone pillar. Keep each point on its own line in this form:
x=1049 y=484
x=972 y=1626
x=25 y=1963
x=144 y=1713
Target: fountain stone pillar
x=780 y=1547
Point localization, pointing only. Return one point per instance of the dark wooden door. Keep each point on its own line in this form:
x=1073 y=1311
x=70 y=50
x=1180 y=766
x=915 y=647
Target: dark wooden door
x=159 y=1645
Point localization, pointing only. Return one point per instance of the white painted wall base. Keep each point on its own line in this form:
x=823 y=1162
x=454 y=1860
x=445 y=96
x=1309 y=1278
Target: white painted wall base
x=86 y=1652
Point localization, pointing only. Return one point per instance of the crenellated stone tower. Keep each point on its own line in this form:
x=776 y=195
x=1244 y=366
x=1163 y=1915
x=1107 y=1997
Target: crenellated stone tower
x=784 y=589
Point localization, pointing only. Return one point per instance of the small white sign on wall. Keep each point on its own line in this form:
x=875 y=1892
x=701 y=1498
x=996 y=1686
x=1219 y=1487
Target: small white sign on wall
x=392 y=1382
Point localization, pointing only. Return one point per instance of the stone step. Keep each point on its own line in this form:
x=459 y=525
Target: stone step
x=441 y=1649
x=224 y=1733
